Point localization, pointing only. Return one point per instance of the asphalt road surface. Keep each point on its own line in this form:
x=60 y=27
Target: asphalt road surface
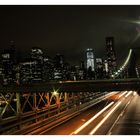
x=116 y=115
x=129 y=122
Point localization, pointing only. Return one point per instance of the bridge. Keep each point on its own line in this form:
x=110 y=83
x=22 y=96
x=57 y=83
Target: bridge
x=38 y=108
x=26 y=107
x=131 y=64
x=78 y=86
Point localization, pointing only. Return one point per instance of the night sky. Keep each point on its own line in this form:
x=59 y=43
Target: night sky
x=70 y=29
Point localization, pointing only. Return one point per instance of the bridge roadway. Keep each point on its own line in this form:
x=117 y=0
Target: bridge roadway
x=78 y=86
x=124 y=120
x=129 y=123
x=38 y=104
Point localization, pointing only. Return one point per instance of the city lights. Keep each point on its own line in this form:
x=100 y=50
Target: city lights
x=130 y=92
x=105 y=118
x=55 y=92
x=69 y=70
x=122 y=94
x=124 y=64
x=93 y=118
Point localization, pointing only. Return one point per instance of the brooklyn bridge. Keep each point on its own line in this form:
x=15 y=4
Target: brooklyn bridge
x=81 y=107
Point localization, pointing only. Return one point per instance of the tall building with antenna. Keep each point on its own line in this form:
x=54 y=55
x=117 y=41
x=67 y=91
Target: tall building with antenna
x=111 y=55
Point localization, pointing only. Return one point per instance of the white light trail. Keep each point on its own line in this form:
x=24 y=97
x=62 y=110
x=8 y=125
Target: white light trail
x=104 y=119
x=130 y=92
x=122 y=94
x=134 y=93
x=94 y=117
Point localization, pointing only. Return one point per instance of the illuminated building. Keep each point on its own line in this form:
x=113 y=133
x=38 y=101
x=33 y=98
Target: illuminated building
x=8 y=62
x=59 y=67
x=48 y=68
x=1 y=75
x=32 y=69
x=26 y=71
x=99 y=68
x=111 y=55
x=105 y=69
x=82 y=71
x=106 y=66
x=90 y=59
x=37 y=59
x=36 y=53
x=98 y=62
x=73 y=73
x=59 y=61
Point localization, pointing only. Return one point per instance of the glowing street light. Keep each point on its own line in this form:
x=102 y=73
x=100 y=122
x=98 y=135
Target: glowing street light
x=116 y=73
x=55 y=92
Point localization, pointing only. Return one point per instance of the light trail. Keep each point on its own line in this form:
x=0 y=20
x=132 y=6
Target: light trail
x=122 y=94
x=121 y=114
x=105 y=118
x=94 y=117
x=130 y=92
x=134 y=93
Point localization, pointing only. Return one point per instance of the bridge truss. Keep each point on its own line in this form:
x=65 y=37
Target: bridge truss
x=26 y=108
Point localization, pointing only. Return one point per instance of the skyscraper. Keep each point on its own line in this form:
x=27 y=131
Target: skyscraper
x=8 y=59
x=111 y=55
x=90 y=59
x=37 y=66
x=59 y=67
x=99 y=68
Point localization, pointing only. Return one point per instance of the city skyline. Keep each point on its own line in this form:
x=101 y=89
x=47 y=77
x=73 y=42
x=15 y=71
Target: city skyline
x=61 y=29
x=69 y=70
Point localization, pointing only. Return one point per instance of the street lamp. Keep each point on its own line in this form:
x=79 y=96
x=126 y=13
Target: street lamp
x=55 y=92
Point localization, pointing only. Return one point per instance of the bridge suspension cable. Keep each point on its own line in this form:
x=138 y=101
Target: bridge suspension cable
x=119 y=71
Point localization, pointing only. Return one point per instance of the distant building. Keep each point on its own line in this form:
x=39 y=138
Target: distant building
x=82 y=71
x=111 y=55
x=37 y=61
x=34 y=71
x=90 y=59
x=27 y=71
x=99 y=62
x=48 y=69
x=106 y=66
x=59 y=61
x=1 y=75
x=8 y=65
x=99 y=68
x=105 y=69
x=36 y=54
x=59 y=67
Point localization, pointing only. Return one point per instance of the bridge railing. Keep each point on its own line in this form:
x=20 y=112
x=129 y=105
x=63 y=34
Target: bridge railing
x=30 y=104
x=24 y=112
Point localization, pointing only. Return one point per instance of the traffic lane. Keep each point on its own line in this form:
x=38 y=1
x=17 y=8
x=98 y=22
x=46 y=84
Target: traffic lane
x=70 y=126
x=73 y=124
x=60 y=130
x=107 y=125
x=129 y=123
x=95 y=120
